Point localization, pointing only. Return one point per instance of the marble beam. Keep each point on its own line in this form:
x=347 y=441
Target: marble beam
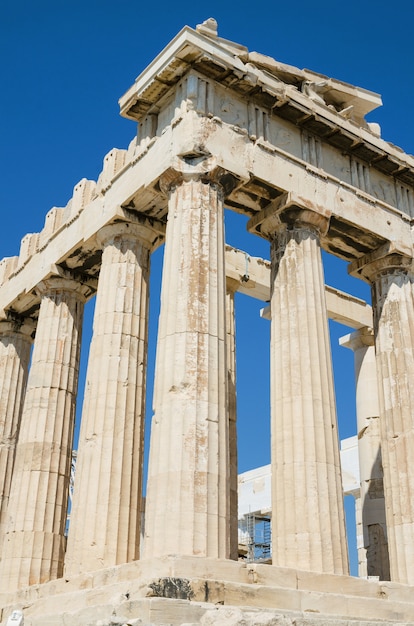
x=252 y=276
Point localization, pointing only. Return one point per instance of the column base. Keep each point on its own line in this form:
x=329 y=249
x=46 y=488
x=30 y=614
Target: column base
x=177 y=590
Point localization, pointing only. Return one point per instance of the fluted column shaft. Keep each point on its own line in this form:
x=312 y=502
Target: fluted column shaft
x=15 y=346
x=360 y=543
x=375 y=545
x=34 y=543
x=106 y=510
x=393 y=306
x=231 y=287
x=308 y=527
x=187 y=506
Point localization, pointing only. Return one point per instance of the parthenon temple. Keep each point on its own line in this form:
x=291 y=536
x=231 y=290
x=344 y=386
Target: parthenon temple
x=218 y=127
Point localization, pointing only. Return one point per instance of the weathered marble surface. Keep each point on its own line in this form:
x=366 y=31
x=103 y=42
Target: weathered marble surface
x=218 y=126
x=177 y=590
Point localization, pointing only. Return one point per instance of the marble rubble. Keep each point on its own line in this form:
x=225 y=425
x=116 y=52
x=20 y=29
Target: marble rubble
x=218 y=126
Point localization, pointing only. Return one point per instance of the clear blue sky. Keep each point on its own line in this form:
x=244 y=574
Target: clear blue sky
x=65 y=64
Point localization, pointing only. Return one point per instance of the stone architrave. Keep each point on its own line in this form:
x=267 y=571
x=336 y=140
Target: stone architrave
x=308 y=525
x=391 y=277
x=231 y=287
x=15 y=345
x=106 y=511
x=34 y=541
x=372 y=504
x=187 y=506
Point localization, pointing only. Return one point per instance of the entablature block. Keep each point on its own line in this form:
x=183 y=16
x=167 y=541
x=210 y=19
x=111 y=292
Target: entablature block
x=324 y=107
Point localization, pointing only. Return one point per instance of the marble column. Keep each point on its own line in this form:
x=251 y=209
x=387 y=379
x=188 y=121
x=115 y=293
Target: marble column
x=375 y=545
x=106 y=509
x=308 y=525
x=15 y=345
x=391 y=278
x=34 y=542
x=360 y=542
x=231 y=288
x=187 y=506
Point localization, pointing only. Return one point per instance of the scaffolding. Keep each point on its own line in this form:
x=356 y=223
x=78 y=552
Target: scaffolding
x=255 y=538
x=71 y=483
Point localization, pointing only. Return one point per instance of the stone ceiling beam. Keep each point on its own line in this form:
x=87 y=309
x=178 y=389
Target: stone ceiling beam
x=252 y=277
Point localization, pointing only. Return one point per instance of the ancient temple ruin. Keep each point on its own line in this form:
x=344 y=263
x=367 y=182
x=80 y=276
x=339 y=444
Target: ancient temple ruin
x=218 y=126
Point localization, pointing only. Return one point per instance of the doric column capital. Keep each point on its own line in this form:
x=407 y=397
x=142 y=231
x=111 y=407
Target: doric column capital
x=202 y=168
x=16 y=324
x=289 y=212
x=387 y=259
x=65 y=281
x=149 y=231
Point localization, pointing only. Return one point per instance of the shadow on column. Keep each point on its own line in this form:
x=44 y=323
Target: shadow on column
x=375 y=533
